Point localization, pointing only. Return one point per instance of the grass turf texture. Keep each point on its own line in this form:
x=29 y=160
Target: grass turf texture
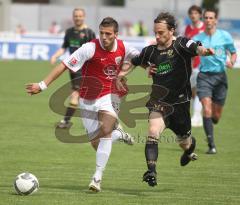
x=64 y=170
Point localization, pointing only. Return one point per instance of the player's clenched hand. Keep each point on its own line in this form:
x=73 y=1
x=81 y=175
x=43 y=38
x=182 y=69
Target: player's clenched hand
x=202 y=51
x=209 y=52
x=151 y=69
x=33 y=88
x=121 y=83
x=229 y=64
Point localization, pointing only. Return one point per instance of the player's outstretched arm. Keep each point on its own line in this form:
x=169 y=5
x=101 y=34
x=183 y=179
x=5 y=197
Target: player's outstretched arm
x=202 y=51
x=35 y=88
x=126 y=68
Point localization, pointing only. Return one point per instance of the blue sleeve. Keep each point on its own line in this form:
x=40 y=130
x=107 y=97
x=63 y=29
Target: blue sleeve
x=229 y=44
x=194 y=38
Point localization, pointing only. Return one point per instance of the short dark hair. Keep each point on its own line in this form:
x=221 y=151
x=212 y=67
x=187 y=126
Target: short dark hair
x=79 y=9
x=109 y=21
x=215 y=11
x=169 y=19
x=195 y=8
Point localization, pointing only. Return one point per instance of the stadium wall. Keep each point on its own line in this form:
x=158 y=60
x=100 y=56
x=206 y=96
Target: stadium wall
x=38 y=17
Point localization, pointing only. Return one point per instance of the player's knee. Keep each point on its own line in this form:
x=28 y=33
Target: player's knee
x=106 y=130
x=207 y=111
x=153 y=131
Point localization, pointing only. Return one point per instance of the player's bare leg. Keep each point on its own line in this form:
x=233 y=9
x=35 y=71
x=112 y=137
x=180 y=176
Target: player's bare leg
x=216 y=112
x=74 y=99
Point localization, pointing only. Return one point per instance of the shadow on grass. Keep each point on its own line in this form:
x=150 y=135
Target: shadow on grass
x=18 y=195
x=66 y=187
x=124 y=191
x=138 y=192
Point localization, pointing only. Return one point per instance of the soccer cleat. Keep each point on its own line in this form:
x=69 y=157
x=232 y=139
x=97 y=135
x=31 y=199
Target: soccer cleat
x=211 y=150
x=197 y=121
x=63 y=124
x=95 y=185
x=126 y=137
x=150 y=177
x=188 y=155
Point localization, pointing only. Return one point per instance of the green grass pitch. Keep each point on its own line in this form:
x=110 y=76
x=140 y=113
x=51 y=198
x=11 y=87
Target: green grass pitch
x=28 y=143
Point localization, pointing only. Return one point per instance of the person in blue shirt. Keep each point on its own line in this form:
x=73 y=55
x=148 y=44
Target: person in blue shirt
x=212 y=80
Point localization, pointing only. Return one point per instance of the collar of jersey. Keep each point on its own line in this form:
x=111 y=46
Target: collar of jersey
x=198 y=26
x=114 y=47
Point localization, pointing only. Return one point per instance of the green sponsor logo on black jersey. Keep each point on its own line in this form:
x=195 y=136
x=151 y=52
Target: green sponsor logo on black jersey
x=164 y=68
x=74 y=42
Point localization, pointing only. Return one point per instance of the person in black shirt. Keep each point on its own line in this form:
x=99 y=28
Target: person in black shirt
x=74 y=38
x=169 y=104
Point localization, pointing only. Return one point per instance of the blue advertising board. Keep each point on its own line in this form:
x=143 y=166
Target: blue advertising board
x=27 y=49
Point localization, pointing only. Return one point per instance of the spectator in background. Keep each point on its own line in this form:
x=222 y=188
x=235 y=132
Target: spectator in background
x=74 y=38
x=20 y=29
x=140 y=29
x=196 y=27
x=212 y=80
x=54 y=28
x=127 y=29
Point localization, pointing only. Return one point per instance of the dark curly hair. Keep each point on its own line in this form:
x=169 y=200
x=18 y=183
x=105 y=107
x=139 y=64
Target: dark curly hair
x=169 y=19
x=195 y=8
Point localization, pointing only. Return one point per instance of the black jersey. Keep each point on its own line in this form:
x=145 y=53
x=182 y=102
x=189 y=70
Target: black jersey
x=74 y=38
x=171 y=83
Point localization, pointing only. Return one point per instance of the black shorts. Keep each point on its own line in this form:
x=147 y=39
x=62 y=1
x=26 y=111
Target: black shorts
x=213 y=85
x=176 y=117
x=75 y=79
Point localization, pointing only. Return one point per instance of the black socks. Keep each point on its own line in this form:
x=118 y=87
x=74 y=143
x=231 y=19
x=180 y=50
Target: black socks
x=208 y=128
x=69 y=113
x=151 y=153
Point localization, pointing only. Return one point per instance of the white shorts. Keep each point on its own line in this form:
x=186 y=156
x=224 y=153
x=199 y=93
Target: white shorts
x=193 y=78
x=90 y=109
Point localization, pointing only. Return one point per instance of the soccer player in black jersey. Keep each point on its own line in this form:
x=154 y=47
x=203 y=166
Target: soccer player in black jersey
x=169 y=103
x=74 y=38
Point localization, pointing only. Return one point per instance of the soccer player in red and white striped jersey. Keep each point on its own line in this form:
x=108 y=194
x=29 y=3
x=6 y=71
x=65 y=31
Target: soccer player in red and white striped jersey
x=100 y=61
x=196 y=27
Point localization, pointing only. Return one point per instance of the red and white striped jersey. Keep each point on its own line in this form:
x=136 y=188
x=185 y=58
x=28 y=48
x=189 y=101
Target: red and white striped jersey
x=99 y=67
x=190 y=32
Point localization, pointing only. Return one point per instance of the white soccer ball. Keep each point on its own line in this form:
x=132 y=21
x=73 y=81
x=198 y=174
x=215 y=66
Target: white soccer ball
x=26 y=184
